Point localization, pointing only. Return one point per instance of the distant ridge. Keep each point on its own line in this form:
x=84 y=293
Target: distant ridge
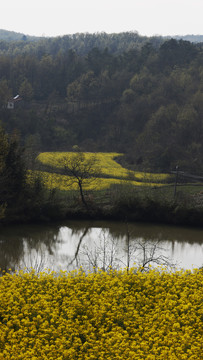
x=191 y=38
x=7 y=35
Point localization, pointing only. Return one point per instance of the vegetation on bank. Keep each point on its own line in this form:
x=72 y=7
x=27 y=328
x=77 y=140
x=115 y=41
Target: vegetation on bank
x=115 y=315
x=154 y=197
x=30 y=195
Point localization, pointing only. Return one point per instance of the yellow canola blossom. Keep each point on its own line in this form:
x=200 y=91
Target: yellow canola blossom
x=106 y=162
x=64 y=182
x=117 y=315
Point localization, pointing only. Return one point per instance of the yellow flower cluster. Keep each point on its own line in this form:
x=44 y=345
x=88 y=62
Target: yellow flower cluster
x=106 y=163
x=105 y=316
x=64 y=182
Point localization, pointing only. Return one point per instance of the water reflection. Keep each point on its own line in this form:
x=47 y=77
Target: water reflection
x=98 y=244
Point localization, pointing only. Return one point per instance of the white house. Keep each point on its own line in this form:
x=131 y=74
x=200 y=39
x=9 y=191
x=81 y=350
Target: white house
x=11 y=103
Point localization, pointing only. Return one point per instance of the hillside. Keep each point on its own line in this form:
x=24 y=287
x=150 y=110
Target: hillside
x=130 y=39
x=15 y=36
x=119 y=93
x=191 y=38
x=82 y=43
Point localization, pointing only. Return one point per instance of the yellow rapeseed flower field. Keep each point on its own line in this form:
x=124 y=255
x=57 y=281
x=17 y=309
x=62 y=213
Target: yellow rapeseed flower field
x=107 y=166
x=105 y=161
x=63 y=182
x=106 y=316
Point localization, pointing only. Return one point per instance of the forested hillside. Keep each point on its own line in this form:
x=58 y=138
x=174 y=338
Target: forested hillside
x=15 y=36
x=119 y=92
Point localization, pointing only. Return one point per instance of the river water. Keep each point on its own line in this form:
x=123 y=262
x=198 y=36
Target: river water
x=101 y=244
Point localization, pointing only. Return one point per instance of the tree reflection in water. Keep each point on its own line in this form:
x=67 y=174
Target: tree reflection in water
x=95 y=245
x=109 y=253
x=27 y=246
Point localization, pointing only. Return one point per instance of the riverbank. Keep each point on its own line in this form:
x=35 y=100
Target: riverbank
x=142 y=204
x=121 y=203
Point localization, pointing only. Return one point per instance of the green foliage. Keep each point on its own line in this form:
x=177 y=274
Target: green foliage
x=15 y=171
x=18 y=199
x=5 y=92
x=26 y=90
x=154 y=205
x=15 y=36
x=119 y=93
x=4 y=148
x=174 y=52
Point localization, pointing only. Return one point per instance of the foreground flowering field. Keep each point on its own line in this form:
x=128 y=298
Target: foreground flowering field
x=117 y=315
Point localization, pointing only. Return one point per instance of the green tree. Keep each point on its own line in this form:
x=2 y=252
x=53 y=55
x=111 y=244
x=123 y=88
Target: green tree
x=5 y=93
x=85 y=88
x=26 y=90
x=13 y=174
x=4 y=146
x=187 y=125
x=128 y=96
x=173 y=52
x=157 y=144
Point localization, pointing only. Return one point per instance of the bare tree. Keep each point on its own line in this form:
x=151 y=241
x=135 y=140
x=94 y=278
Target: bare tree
x=107 y=253
x=102 y=255
x=82 y=170
x=150 y=253
x=145 y=253
x=34 y=259
x=78 y=247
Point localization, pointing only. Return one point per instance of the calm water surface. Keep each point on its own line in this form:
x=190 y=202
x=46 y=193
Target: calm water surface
x=101 y=244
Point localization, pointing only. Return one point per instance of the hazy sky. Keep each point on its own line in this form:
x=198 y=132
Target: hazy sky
x=59 y=17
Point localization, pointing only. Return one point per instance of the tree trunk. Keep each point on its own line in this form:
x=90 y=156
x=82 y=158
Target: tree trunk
x=82 y=196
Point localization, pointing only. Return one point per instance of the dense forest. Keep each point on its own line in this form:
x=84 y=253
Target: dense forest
x=106 y=92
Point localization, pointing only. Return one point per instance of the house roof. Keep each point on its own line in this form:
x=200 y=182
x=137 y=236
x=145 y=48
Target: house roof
x=16 y=97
